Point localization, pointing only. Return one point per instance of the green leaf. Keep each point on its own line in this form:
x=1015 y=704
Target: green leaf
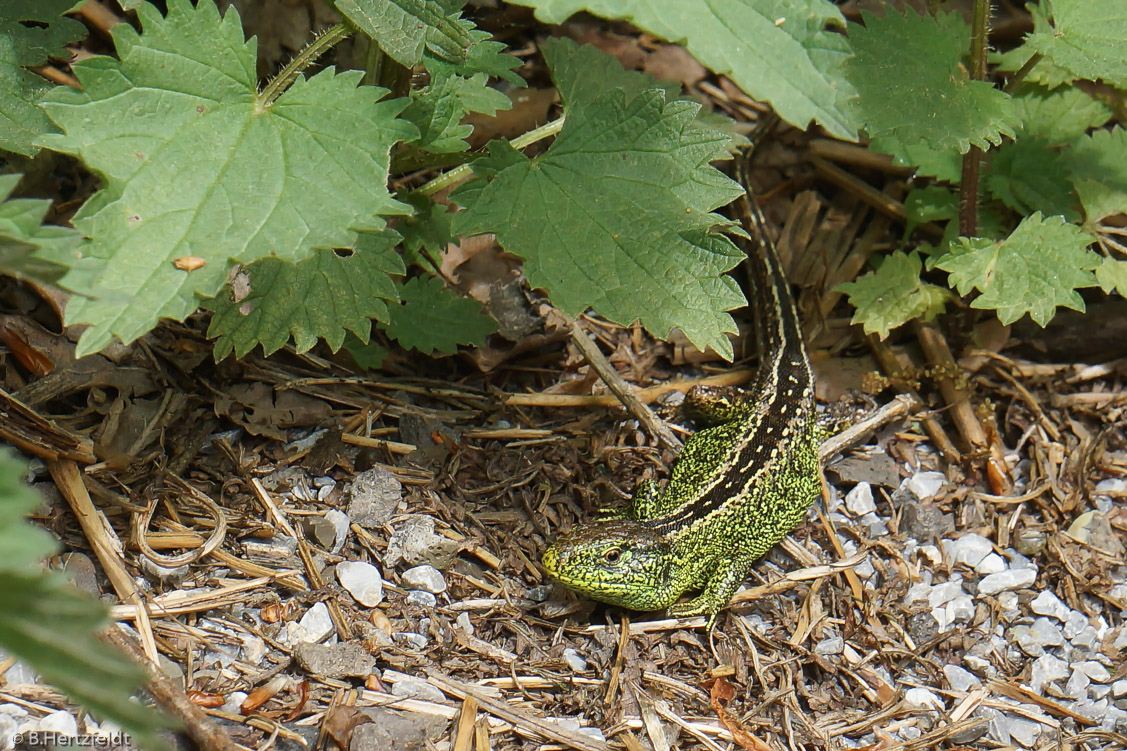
x=1044 y=72
x=616 y=214
x=322 y=296
x=931 y=204
x=405 y=28
x=368 y=355
x=1087 y=38
x=46 y=623
x=1029 y=175
x=427 y=229
x=433 y=319
x=27 y=246
x=50 y=626
x=24 y=546
x=1112 y=275
x=1035 y=270
x=913 y=92
x=1099 y=171
x=31 y=32
x=196 y=165
x=484 y=56
x=893 y=295
x=779 y=51
x=1058 y=117
x=437 y=110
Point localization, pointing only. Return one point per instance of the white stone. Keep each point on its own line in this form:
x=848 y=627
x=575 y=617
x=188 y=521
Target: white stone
x=960 y=609
x=1120 y=640
x=1009 y=603
x=859 y=501
x=316 y=624
x=922 y=698
x=1007 y=580
x=363 y=582
x=411 y=639
x=340 y=522
x=422 y=599
x=1093 y=710
x=254 y=648
x=1099 y=690
x=426 y=578
x=1077 y=686
x=574 y=660
x=1047 y=669
x=925 y=485
x=1086 y=639
x=1119 y=688
x=1096 y=671
x=1047 y=633
x=1111 y=485
x=991 y=564
x=931 y=553
x=960 y=678
x=968 y=550
x=415 y=688
x=1025 y=732
x=464 y=623
x=234 y=702
x=865 y=569
x=1049 y=604
x=60 y=722
x=1074 y=624
x=941 y=594
x=917 y=592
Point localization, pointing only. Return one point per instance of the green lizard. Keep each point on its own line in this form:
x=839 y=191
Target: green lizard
x=738 y=487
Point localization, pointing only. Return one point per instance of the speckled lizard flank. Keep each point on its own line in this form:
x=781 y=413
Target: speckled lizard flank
x=740 y=485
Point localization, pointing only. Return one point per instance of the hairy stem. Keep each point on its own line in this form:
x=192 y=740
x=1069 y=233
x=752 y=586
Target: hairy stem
x=972 y=160
x=301 y=61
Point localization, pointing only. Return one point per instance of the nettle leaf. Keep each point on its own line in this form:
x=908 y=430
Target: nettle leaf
x=1036 y=269
x=1030 y=174
x=27 y=246
x=1044 y=72
x=428 y=229
x=51 y=626
x=31 y=32
x=433 y=319
x=320 y=297
x=24 y=546
x=405 y=28
x=893 y=295
x=1087 y=38
x=913 y=91
x=1112 y=276
x=437 y=110
x=197 y=166
x=1099 y=171
x=779 y=51
x=616 y=214
x=1058 y=117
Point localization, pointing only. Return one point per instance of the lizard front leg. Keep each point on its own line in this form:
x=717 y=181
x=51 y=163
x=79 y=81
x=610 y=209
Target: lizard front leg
x=718 y=590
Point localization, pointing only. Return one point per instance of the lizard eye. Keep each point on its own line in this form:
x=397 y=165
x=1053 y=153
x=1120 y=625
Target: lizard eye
x=612 y=555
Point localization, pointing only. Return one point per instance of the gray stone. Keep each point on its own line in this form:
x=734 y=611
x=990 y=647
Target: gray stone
x=941 y=594
x=1119 y=688
x=925 y=522
x=869 y=465
x=340 y=522
x=991 y=564
x=411 y=639
x=1086 y=639
x=574 y=660
x=1049 y=604
x=968 y=550
x=960 y=678
x=345 y=660
x=1074 y=624
x=426 y=578
x=422 y=599
x=1096 y=671
x=413 y=688
x=922 y=698
x=1007 y=580
x=80 y=570
x=1047 y=669
x=61 y=722
x=1047 y=633
x=859 y=500
x=1026 y=640
x=363 y=582
x=390 y=730
x=314 y=626
x=416 y=543
x=1093 y=710
x=834 y=645
x=1025 y=732
x=464 y=622
x=166 y=576
x=374 y=495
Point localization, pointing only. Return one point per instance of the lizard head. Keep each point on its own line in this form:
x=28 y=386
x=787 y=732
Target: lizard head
x=620 y=562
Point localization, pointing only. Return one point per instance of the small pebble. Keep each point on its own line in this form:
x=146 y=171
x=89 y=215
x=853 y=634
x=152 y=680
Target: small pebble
x=1025 y=732
x=464 y=623
x=859 y=500
x=340 y=522
x=1074 y=624
x=925 y=485
x=426 y=578
x=316 y=624
x=1007 y=580
x=574 y=660
x=61 y=722
x=1047 y=669
x=968 y=550
x=922 y=698
x=1086 y=639
x=1077 y=686
x=1096 y=671
x=1119 y=688
x=414 y=688
x=411 y=639
x=422 y=599
x=363 y=582
x=960 y=678
x=1050 y=605
x=941 y=594
x=991 y=564
x=834 y=645
x=1093 y=710
x=234 y=702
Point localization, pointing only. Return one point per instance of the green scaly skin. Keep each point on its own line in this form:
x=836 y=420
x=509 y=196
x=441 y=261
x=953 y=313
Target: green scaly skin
x=738 y=487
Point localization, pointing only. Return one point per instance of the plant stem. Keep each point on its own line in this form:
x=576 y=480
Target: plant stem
x=1023 y=71
x=301 y=61
x=458 y=174
x=972 y=160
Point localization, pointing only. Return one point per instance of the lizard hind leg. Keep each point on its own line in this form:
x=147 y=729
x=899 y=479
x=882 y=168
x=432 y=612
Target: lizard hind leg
x=713 y=405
